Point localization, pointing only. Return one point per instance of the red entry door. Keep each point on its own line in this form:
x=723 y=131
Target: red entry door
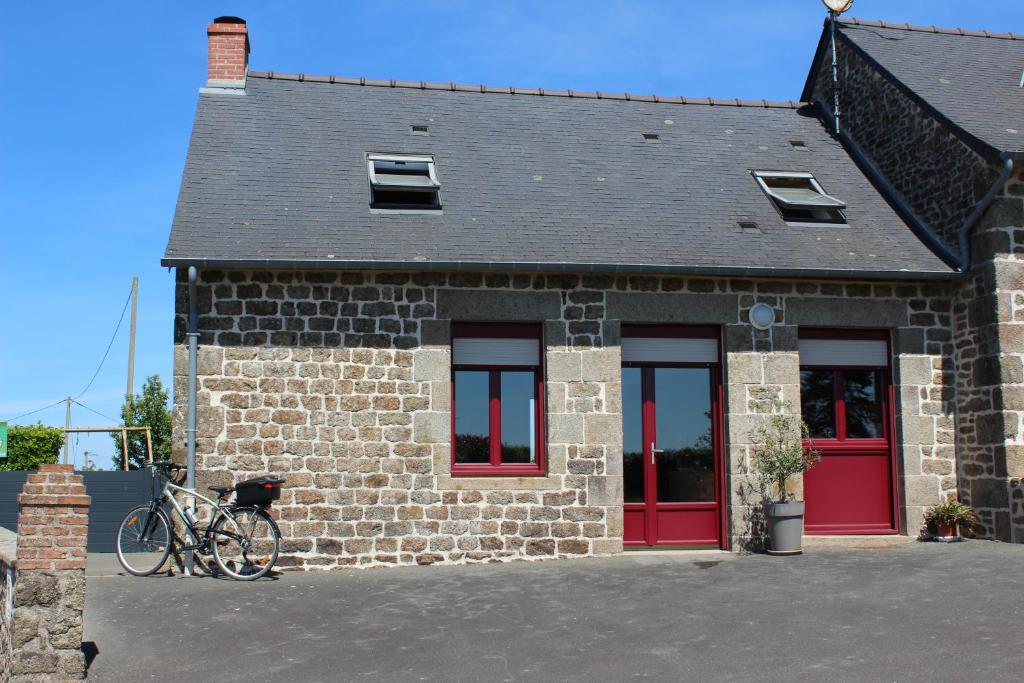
x=847 y=409
x=671 y=444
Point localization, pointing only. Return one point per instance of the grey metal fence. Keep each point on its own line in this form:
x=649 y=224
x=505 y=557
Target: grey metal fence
x=113 y=494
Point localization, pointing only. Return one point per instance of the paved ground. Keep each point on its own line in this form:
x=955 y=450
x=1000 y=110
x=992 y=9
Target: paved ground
x=917 y=612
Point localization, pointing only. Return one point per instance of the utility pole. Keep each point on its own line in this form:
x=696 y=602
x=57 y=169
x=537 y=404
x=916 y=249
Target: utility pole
x=130 y=391
x=67 y=427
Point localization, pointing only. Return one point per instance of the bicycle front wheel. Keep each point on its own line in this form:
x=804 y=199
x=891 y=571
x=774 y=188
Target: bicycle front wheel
x=246 y=542
x=144 y=540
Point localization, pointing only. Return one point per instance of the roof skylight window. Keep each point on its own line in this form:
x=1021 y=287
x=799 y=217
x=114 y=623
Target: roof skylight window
x=399 y=182
x=799 y=197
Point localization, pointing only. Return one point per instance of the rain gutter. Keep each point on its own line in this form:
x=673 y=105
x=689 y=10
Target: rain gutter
x=964 y=235
x=565 y=267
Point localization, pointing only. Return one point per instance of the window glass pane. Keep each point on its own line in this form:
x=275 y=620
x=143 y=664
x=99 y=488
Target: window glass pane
x=472 y=423
x=682 y=407
x=862 y=390
x=517 y=417
x=632 y=436
x=817 y=402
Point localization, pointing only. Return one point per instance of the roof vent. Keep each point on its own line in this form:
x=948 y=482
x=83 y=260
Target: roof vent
x=652 y=137
x=419 y=130
x=749 y=227
x=798 y=144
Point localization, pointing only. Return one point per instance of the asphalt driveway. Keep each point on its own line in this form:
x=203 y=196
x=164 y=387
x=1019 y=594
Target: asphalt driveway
x=916 y=612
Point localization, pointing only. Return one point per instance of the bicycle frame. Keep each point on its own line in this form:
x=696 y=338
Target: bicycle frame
x=196 y=535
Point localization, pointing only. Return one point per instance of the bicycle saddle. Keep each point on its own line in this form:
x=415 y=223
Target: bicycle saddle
x=222 y=490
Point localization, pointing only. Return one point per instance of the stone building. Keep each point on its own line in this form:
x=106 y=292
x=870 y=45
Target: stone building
x=939 y=114
x=473 y=323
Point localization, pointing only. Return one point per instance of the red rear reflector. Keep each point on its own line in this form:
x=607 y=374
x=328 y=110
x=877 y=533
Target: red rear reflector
x=270 y=486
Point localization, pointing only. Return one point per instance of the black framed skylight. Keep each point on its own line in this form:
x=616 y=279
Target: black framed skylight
x=403 y=182
x=800 y=198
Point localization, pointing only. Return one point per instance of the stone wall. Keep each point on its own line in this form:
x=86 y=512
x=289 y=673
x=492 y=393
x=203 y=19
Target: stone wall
x=990 y=356
x=50 y=590
x=8 y=553
x=939 y=176
x=341 y=382
x=1010 y=288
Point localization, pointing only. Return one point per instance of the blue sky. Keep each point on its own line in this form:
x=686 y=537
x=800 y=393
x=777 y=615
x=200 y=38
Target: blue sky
x=98 y=99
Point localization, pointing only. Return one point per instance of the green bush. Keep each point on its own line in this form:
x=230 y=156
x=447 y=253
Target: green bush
x=29 y=446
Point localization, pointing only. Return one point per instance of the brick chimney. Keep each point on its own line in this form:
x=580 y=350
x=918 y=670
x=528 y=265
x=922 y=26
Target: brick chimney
x=228 y=53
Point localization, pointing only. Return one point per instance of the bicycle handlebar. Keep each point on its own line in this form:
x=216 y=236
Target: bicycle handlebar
x=166 y=465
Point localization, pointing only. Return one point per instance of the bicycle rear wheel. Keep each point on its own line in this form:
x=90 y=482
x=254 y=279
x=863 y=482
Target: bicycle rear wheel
x=144 y=540
x=246 y=543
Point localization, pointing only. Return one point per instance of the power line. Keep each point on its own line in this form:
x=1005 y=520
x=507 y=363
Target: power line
x=112 y=419
x=33 y=412
x=105 y=353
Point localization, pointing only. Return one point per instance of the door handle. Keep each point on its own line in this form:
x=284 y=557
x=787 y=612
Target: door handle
x=655 y=450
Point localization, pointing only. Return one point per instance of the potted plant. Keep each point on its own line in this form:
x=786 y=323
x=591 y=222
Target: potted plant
x=779 y=453
x=945 y=519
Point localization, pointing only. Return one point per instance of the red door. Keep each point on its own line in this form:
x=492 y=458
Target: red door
x=846 y=400
x=671 y=454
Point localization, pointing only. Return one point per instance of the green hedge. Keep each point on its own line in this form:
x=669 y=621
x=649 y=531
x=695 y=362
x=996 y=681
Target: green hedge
x=29 y=446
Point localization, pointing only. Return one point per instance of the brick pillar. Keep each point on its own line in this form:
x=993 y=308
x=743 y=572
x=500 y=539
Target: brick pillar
x=49 y=592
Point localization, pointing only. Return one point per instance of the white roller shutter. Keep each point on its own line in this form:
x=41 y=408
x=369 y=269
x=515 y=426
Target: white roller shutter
x=668 y=350
x=489 y=351
x=844 y=352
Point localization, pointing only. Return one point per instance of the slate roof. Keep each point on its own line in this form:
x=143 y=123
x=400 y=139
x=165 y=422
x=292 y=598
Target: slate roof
x=971 y=78
x=277 y=178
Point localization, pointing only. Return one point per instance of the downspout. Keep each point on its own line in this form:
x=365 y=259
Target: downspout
x=964 y=240
x=964 y=236
x=190 y=425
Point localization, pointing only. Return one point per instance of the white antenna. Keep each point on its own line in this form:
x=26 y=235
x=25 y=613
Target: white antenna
x=835 y=8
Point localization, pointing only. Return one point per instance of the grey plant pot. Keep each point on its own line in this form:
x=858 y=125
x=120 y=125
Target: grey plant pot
x=785 y=527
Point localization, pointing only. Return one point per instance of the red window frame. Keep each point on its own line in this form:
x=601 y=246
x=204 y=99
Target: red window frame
x=495 y=468
x=840 y=441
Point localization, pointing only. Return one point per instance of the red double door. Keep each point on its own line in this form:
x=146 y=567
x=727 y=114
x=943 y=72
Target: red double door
x=672 y=442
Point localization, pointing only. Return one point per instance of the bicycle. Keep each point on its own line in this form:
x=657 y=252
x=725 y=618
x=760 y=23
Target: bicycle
x=243 y=539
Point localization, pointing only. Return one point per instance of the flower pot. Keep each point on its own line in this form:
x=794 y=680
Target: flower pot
x=947 y=530
x=785 y=523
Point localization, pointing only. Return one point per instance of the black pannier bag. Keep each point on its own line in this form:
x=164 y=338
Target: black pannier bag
x=258 y=491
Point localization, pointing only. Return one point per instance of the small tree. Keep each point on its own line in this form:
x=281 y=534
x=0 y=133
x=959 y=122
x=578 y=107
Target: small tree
x=779 y=451
x=29 y=446
x=148 y=409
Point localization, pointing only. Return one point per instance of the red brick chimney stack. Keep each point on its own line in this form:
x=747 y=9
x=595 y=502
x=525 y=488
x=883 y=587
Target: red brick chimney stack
x=228 y=53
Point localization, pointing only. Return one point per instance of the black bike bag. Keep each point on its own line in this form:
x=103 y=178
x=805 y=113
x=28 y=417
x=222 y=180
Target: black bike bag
x=258 y=491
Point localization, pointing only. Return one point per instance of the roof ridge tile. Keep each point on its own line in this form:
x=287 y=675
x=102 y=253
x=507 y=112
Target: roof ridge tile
x=878 y=23
x=513 y=90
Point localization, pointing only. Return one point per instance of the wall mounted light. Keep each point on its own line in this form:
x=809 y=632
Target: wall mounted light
x=762 y=316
